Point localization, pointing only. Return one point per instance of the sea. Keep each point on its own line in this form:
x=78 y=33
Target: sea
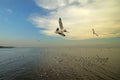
x=59 y=63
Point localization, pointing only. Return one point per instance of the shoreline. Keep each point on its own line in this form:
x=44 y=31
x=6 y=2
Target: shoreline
x=7 y=47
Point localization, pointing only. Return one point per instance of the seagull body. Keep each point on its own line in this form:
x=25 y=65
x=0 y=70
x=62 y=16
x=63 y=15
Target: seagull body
x=61 y=30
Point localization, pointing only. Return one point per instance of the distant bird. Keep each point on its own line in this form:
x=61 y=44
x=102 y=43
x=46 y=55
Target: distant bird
x=61 y=30
x=94 y=33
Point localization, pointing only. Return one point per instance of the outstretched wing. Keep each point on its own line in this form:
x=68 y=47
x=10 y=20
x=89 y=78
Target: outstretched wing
x=60 y=24
x=93 y=31
x=96 y=34
x=62 y=34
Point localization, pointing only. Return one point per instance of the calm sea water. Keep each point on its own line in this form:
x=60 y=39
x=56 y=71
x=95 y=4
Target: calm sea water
x=60 y=64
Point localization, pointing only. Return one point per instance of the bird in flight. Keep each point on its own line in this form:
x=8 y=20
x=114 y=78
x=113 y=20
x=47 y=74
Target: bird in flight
x=94 y=33
x=61 y=30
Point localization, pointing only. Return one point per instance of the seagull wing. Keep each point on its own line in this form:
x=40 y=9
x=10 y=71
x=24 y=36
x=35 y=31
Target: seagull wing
x=62 y=34
x=96 y=34
x=93 y=31
x=60 y=24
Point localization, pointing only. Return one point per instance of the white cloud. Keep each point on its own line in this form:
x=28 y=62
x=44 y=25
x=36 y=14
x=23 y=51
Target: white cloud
x=51 y=4
x=79 y=17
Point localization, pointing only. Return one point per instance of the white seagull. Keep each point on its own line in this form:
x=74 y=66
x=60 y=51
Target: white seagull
x=94 y=33
x=61 y=30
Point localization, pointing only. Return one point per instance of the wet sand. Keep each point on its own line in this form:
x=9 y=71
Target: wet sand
x=60 y=64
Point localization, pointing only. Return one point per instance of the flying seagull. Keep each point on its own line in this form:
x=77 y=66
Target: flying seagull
x=94 y=33
x=61 y=30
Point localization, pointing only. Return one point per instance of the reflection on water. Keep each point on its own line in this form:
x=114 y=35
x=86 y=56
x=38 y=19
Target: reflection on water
x=60 y=64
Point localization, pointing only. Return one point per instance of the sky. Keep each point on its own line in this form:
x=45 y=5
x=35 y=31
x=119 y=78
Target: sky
x=33 y=22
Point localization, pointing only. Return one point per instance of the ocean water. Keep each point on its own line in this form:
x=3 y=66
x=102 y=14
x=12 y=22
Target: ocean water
x=68 y=63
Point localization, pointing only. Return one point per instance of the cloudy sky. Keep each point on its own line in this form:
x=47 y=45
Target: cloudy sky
x=33 y=22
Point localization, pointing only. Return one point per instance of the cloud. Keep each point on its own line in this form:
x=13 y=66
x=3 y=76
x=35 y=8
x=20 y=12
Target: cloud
x=51 y=4
x=79 y=17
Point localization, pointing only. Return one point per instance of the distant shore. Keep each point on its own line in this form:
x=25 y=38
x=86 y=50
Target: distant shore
x=7 y=47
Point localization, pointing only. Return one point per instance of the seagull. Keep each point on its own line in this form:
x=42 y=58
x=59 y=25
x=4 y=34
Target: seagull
x=94 y=33
x=61 y=30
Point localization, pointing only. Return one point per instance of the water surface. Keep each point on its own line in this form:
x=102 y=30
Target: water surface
x=60 y=63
